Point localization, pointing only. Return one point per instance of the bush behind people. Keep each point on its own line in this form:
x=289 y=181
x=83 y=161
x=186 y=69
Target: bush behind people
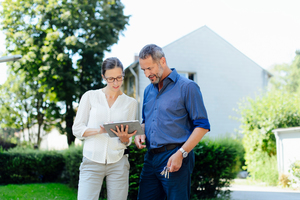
x=217 y=163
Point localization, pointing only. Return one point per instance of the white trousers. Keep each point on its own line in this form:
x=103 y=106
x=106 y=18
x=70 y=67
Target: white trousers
x=91 y=178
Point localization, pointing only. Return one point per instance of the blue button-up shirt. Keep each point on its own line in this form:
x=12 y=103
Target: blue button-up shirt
x=171 y=114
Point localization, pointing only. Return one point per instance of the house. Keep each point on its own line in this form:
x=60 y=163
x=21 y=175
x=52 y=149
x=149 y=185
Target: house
x=288 y=157
x=225 y=76
x=52 y=140
x=287 y=146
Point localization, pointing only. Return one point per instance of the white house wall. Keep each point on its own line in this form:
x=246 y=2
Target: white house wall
x=287 y=146
x=143 y=82
x=224 y=74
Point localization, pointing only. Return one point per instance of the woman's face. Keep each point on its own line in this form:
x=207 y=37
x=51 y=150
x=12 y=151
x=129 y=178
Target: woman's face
x=114 y=78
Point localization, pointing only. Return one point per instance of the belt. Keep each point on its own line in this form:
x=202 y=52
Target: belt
x=126 y=151
x=165 y=148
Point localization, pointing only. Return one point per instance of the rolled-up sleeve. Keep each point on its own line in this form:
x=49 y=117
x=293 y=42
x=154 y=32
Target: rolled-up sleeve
x=195 y=106
x=82 y=116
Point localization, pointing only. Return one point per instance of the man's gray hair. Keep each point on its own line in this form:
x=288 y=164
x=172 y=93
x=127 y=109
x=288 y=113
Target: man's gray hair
x=152 y=50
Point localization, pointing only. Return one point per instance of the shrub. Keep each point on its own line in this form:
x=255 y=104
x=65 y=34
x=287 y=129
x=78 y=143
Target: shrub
x=259 y=117
x=284 y=180
x=6 y=144
x=235 y=142
x=72 y=158
x=216 y=164
x=295 y=170
x=136 y=159
x=264 y=169
x=30 y=166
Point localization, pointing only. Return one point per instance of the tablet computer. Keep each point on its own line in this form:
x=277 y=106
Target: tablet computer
x=132 y=126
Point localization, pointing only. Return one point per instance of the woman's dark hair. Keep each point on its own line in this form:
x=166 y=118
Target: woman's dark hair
x=111 y=63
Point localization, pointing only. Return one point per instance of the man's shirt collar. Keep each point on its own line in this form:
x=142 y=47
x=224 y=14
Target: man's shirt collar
x=173 y=75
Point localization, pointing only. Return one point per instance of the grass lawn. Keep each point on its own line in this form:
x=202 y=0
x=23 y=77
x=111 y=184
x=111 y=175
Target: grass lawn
x=42 y=191
x=38 y=191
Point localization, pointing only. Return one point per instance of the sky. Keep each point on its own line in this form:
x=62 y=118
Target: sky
x=266 y=31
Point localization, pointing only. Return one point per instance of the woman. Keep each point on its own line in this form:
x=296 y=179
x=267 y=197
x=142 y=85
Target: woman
x=104 y=156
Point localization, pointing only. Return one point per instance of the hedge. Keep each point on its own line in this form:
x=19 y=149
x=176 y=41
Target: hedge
x=5 y=145
x=30 y=167
x=216 y=165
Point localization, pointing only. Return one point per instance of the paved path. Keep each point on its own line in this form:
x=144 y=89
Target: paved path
x=250 y=192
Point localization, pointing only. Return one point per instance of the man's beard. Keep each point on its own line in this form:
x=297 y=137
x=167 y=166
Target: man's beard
x=158 y=75
x=156 y=80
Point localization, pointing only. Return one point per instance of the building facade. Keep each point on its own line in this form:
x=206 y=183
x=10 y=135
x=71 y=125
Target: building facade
x=225 y=76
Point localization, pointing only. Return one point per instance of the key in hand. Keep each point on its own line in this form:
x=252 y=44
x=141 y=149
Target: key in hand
x=165 y=172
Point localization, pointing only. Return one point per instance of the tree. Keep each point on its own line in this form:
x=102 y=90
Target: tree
x=63 y=45
x=15 y=108
x=278 y=108
x=294 y=76
x=287 y=77
x=23 y=105
x=259 y=117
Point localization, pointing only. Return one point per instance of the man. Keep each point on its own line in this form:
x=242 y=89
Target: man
x=175 y=120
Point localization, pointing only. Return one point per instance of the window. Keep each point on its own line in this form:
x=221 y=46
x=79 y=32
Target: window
x=189 y=75
x=130 y=89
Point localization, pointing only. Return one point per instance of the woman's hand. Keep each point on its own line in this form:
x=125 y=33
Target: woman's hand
x=94 y=131
x=123 y=134
x=102 y=130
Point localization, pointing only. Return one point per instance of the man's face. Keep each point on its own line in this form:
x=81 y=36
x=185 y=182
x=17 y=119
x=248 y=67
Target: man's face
x=152 y=70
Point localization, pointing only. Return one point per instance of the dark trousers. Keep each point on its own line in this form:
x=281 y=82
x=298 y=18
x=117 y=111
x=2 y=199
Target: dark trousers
x=154 y=186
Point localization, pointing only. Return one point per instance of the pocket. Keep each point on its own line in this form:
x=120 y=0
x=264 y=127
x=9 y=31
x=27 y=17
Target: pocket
x=189 y=161
x=83 y=163
x=127 y=162
x=185 y=160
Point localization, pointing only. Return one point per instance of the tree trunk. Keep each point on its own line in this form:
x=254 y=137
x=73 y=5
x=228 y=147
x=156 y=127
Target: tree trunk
x=23 y=131
x=70 y=113
x=40 y=117
x=40 y=123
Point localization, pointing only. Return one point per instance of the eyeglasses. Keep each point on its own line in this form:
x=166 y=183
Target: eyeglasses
x=112 y=79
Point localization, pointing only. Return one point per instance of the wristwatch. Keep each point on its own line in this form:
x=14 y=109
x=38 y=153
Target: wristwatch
x=125 y=143
x=184 y=153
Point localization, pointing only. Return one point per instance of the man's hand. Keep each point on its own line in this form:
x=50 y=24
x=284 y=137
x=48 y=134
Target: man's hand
x=139 y=140
x=175 y=162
